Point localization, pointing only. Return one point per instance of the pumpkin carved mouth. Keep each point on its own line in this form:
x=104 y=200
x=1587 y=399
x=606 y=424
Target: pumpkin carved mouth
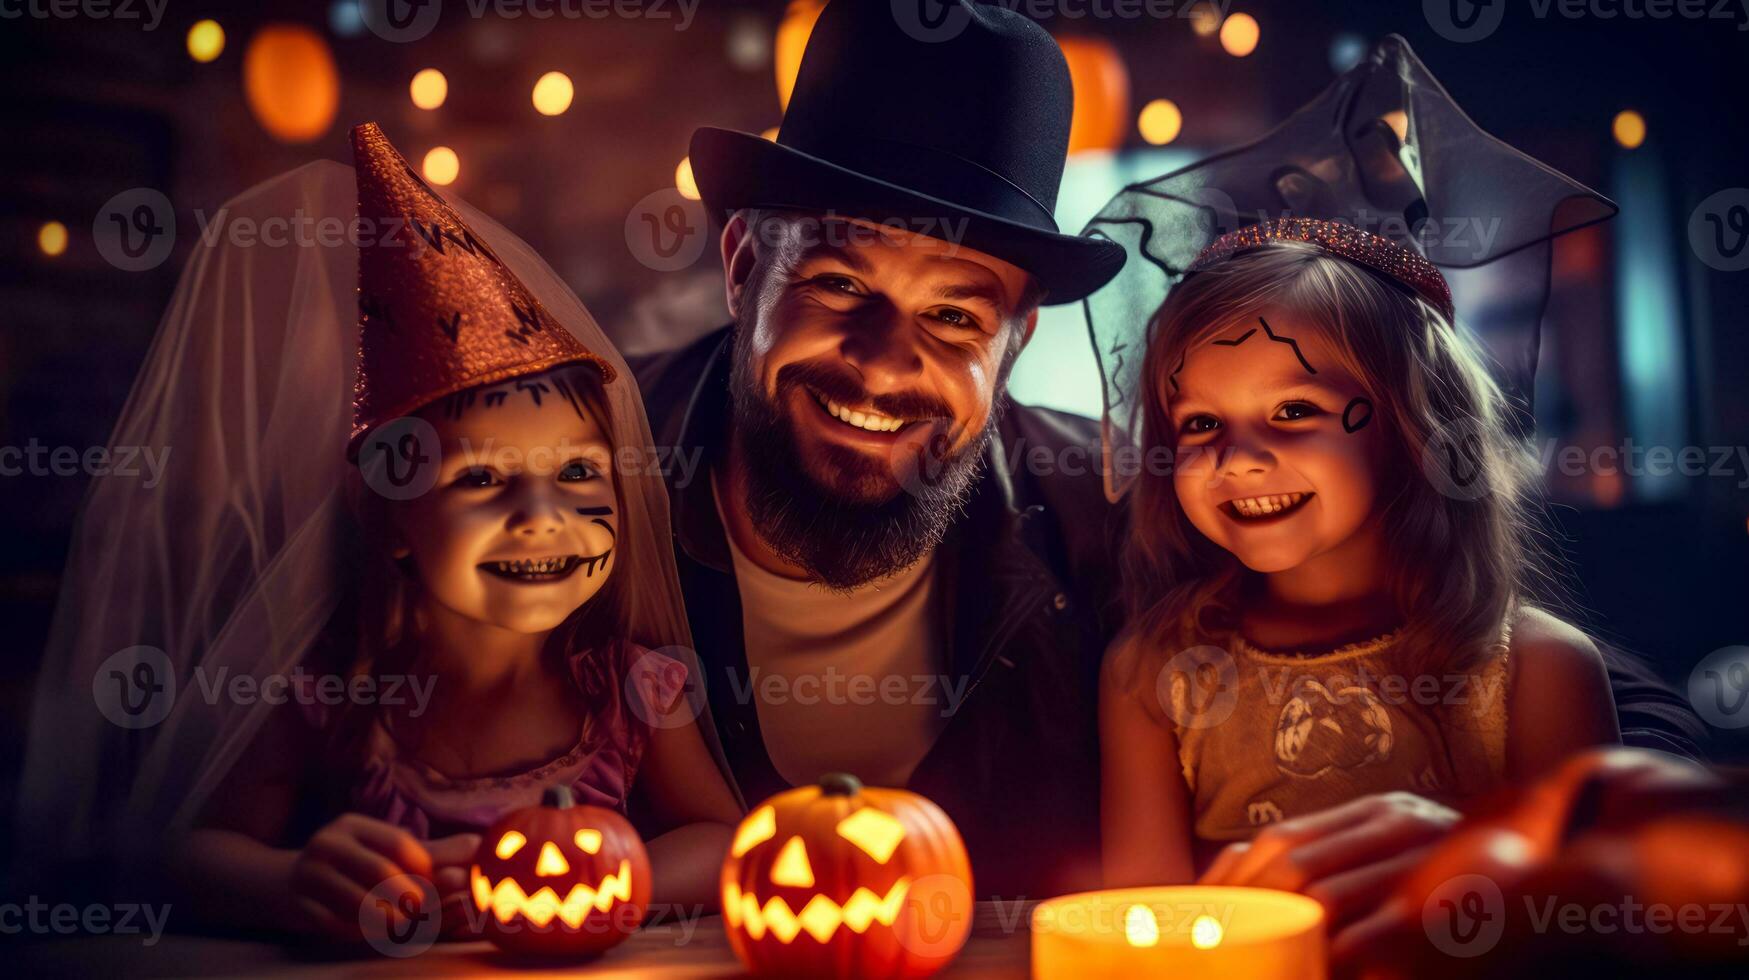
x=507 y=900
x=820 y=918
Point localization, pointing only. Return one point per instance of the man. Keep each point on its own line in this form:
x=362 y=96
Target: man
x=874 y=588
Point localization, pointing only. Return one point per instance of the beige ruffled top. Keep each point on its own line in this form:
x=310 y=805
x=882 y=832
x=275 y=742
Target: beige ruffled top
x=1264 y=736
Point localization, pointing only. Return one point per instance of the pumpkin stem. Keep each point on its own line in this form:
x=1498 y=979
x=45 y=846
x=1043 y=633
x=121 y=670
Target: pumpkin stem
x=840 y=784
x=558 y=797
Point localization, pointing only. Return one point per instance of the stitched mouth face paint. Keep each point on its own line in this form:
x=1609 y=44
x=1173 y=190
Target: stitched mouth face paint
x=535 y=571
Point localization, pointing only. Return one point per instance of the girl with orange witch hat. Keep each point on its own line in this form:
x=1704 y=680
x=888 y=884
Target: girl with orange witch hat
x=408 y=569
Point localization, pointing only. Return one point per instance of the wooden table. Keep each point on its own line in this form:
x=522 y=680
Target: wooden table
x=999 y=947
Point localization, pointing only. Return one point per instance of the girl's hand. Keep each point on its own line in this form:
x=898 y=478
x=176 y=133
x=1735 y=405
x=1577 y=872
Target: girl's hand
x=451 y=857
x=335 y=873
x=1348 y=857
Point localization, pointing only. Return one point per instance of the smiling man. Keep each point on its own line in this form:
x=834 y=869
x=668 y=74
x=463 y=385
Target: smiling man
x=872 y=590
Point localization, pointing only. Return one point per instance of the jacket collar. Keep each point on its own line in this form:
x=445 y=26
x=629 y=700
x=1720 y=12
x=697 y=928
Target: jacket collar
x=704 y=435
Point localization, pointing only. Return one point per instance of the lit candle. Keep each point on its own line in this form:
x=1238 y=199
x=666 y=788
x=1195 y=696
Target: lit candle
x=1188 y=931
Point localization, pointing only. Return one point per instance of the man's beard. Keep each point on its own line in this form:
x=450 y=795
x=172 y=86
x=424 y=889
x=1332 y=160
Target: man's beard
x=895 y=513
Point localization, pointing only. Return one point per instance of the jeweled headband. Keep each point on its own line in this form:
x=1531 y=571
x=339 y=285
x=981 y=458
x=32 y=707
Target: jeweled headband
x=1344 y=241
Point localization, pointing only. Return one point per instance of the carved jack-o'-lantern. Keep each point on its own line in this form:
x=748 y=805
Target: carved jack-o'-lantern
x=839 y=880
x=560 y=878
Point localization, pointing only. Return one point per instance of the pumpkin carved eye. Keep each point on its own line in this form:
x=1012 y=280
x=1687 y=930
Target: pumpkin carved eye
x=588 y=841
x=759 y=827
x=877 y=834
x=792 y=866
x=509 y=844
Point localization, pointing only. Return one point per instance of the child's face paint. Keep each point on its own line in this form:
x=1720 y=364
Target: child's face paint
x=519 y=530
x=1273 y=466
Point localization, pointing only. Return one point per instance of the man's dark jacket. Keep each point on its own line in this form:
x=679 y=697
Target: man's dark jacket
x=1030 y=576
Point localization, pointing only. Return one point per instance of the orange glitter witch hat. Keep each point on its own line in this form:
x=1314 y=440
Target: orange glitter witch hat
x=438 y=312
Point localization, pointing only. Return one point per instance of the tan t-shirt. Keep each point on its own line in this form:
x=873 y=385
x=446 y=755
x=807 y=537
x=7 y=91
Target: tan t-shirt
x=1280 y=735
x=843 y=683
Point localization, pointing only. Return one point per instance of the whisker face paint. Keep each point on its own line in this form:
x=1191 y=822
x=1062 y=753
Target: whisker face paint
x=598 y=515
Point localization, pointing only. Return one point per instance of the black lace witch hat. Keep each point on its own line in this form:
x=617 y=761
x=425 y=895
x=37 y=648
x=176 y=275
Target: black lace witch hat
x=1385 y=149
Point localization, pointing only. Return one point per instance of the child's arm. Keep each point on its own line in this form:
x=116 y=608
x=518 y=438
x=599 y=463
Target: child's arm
x=1144 y=804
x=233 y=871
x=685 y=792
x=1559 y=702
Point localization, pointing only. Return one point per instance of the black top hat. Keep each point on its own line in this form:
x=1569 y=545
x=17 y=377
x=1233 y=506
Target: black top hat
x=960 y=118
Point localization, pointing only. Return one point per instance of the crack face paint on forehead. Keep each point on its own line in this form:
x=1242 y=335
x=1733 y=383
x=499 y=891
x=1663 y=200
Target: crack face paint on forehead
x=1285 y=339
x=1269 y=332
x=1173 y=377
x=458 y=404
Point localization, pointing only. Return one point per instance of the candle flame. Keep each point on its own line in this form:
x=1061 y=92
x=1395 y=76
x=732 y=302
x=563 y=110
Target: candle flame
x=1206 y=932
x=1140 y=927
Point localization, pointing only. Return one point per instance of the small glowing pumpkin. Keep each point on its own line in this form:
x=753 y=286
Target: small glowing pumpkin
x=561 y=879
x=839 y=880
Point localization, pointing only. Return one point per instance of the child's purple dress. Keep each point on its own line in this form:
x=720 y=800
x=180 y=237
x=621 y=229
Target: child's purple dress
x=599 y=768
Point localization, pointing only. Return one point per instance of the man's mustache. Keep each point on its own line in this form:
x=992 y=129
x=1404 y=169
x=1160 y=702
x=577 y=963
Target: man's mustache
x=838 y=385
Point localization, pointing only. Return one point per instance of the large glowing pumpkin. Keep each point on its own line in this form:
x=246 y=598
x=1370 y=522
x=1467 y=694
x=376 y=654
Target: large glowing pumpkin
x=290 y=82
x=839 y=880
x=560 y=878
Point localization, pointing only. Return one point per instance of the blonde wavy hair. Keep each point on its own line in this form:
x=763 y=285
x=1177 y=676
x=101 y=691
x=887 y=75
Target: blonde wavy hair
x=1459 y=563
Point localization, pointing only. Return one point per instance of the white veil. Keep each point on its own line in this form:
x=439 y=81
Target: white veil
x=230 y=567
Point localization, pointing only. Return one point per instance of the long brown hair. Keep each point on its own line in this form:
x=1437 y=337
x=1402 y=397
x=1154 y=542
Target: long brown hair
x=1459 y=562
x=371 y=634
